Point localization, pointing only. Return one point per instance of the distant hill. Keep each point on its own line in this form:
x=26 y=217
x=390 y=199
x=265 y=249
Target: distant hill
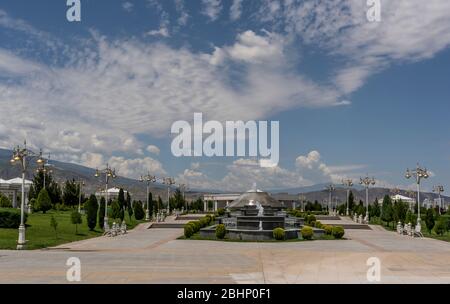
x=63 y=171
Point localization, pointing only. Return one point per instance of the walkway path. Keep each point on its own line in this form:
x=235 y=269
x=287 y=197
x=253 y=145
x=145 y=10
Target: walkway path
x=156 y=256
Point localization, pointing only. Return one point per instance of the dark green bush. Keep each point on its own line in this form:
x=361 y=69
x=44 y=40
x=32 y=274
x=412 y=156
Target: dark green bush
x=188 y=230
x=338 y=232
x=440 y=227
x=279 y=234
x=310 y=218
x=328 y=229
x=220 y=211
x=139 y=213
x=10 y=218
x=221 y=231
x=5 y=202
x=307 y=232
x=318 y=224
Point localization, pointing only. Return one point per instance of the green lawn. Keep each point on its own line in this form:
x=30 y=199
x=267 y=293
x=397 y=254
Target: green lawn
x=40 y=234
x=433 y=235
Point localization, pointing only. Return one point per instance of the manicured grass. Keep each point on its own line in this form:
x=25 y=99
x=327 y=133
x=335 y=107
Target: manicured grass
x=433 y=235
x=40 y=234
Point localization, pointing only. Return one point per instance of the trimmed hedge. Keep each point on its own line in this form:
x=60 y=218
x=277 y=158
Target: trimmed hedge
x=195 y=226
x=338 y=232
x=307 y=232
x=279 y=234
x=328 y=229
x=221 y=231
x=10 y=218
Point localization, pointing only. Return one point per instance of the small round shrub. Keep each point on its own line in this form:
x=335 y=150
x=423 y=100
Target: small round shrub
x=188 y=230
x=279 y=234
x=318 y=224
x=338 y=232
x=328 y=229
x=221 y=231
x=220 y=211
x=10 y=218
x=310 y=218
x=440 y=227
x=307 y=232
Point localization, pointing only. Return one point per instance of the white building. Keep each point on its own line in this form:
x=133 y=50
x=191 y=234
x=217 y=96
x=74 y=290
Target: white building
x=113 y=193
x=13 y=187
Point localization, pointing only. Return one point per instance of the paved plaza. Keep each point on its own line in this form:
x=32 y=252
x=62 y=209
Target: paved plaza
x=156 y=256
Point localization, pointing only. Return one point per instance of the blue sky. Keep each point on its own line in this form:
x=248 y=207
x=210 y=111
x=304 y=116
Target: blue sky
x=352 y=97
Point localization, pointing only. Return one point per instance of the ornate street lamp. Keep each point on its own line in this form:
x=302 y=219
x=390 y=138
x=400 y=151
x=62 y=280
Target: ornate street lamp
x=183 y=189
x=439 y=189
x=148 y=179
x=367 y=182
x=418 y=174
x=169 y=182
x=109 y=173
x=330 y=188
x=80 y=185
x=20 y=156
x=347 y=183
x=45 y=168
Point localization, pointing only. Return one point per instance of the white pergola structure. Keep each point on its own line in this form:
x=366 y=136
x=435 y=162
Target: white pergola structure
x=113 y=193
x=12 y=187
x=219 y=200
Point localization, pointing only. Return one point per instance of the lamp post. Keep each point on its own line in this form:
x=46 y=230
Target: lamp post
x=439 y=189
x=418 y=174
x=109 y=173
x=80 y=184
x=148 y=179
x=367 y=182
x=169 y=182
x=183 y=188
x=348 y=183
x=20 y=155
x=45 y=168
x=330 y=188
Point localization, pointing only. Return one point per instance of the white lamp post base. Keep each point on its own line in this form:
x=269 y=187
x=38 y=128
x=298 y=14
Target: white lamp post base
x=105 y=224
x=366 y=218
x=418 y=226
x=21 y=243
x=147 y=215
x=347 y=212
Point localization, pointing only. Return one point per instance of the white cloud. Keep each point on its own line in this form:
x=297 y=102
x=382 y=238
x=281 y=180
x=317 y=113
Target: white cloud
x=153 y=149
x=180 y=8
x=236 y=9
x=128 y=6
x=162 y=31
x=134 y=168
x=212 y=8
x=309 y=160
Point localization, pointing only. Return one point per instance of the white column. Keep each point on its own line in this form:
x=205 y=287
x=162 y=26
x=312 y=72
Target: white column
x=215 y=205
x=205 y=206
x=14 y=199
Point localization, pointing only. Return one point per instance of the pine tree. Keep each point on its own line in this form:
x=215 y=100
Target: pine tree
x=76 y=219
x=43 y=202
x=138 y=211
x=116 y=210
x=54 y=225
x=101 y=213
x=429 y=219
x=91 y=212
x=129 y=206
x=387 y=209
x=71 y=193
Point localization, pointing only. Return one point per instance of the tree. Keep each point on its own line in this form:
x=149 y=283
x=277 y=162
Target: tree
x=101 y=213
x=5 y=202
x=76 y=219
x=121 y=199
x=91 y=212
x=151 y=203
x=387 y=209
x=116 y=210
x=51 y=186
x=429 y=219
x=178 y=199
x=351 y=200
x=160 y=204
x=138 y=211
x=54 y=225
x=71 y=193
x=400 y=209
x=43 y=202
x=129 y=206
x=375 y=210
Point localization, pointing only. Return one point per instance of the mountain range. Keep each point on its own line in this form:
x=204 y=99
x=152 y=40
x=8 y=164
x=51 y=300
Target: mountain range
x=63 y=171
